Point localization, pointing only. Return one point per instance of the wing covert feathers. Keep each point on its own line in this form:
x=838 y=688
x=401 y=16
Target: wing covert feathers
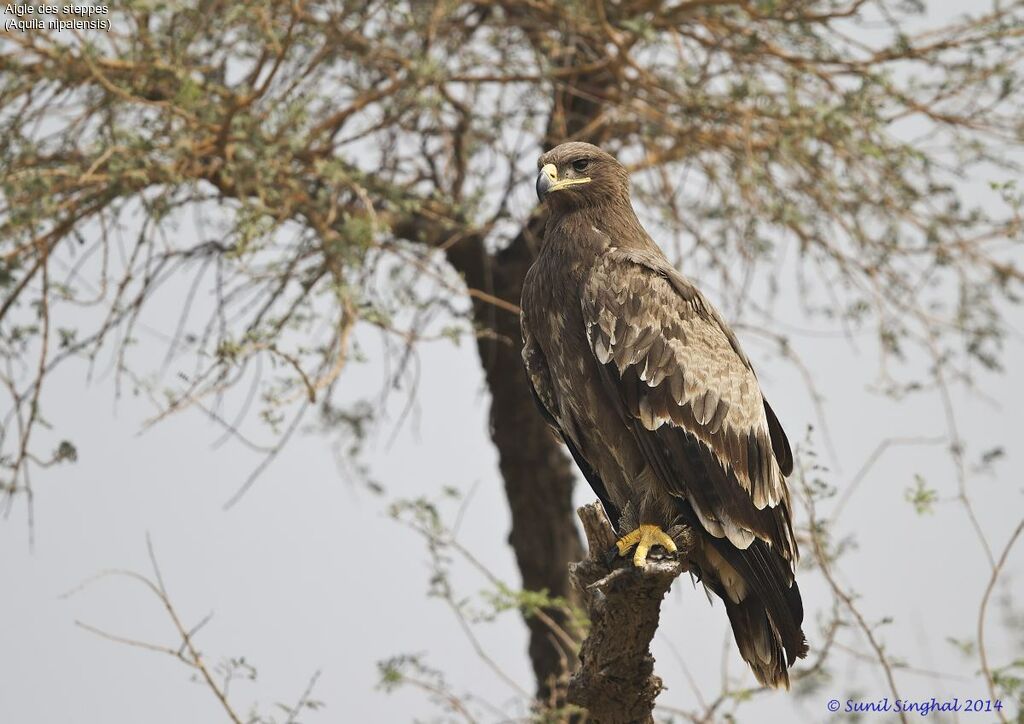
x=681 y=382
x=679 y=372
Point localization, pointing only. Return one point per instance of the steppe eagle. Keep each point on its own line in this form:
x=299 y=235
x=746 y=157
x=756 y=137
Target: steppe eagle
x=660 y=408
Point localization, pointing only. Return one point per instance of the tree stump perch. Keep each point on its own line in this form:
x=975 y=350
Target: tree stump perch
x=615 y=680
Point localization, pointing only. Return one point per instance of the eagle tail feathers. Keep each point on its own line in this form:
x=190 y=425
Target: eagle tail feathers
x=759 y=641
x=767 y=622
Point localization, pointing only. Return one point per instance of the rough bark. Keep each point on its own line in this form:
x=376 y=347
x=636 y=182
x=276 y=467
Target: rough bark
x=615 y=681
x=537 y=473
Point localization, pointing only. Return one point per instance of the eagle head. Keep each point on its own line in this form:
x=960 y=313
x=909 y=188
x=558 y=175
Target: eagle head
x=580 y=174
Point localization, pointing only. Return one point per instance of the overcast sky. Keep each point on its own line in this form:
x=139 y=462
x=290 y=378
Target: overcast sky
x=309 y=574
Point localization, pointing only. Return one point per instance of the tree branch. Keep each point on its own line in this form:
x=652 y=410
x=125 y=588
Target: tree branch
x=615 y=680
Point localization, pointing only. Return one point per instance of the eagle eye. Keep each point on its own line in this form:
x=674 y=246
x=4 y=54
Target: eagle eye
x=580 y=165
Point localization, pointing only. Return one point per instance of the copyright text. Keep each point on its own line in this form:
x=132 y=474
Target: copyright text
x=923 y=707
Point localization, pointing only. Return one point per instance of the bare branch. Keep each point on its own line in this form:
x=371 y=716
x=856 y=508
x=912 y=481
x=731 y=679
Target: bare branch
x=615 y=681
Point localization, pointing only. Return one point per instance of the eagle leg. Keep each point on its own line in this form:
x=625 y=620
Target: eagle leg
x=644 y=538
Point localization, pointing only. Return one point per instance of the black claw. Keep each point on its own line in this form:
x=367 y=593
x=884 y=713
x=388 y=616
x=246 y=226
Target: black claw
x=611 y=556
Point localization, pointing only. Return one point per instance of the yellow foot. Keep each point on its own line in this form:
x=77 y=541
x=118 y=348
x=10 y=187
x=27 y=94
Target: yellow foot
x=644 y=538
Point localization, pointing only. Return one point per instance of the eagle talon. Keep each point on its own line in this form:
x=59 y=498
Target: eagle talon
x=644 y=538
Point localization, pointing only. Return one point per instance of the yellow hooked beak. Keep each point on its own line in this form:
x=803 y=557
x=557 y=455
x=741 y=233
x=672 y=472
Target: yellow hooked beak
x=547 y=181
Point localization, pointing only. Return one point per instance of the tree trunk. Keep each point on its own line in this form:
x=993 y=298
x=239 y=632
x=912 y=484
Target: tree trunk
x=537 y=473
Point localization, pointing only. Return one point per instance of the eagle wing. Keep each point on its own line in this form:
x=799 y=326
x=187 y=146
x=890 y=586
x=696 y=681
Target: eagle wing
x=678 y=377
x=544 y=395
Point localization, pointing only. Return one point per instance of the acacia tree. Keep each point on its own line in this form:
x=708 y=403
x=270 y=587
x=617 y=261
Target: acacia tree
x=371 y=163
